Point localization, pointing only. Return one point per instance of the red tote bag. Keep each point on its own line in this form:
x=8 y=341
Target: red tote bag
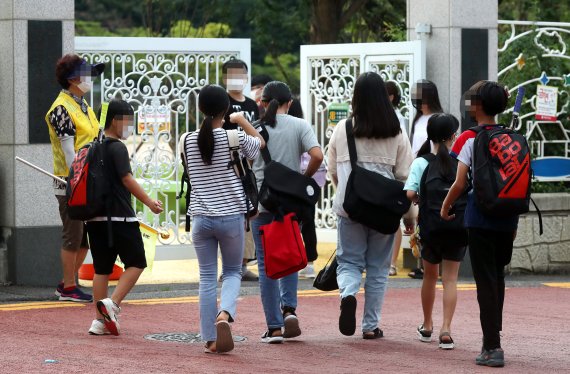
x=283 y=247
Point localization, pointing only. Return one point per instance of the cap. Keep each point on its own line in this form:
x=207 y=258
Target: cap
x=85 y=68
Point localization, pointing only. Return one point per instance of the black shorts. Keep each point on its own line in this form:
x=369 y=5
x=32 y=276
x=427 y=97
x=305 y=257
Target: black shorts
x=435 y=254
x=127 y=244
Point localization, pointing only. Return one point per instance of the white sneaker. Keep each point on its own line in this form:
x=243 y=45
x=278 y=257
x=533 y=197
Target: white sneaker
x=308 y=271
x=110 y=312
x=98 y=328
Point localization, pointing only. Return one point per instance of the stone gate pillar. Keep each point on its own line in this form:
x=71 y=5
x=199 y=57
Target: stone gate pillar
x=33 y=35
x=461 y=44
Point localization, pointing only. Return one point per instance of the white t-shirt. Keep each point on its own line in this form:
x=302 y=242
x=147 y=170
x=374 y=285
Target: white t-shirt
x=420 y=133
x=216 y=189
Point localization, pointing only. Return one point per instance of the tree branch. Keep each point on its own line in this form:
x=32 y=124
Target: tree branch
x=353 y=8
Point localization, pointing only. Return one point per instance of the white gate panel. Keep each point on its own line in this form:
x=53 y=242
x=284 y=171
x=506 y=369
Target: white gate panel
x=328 y=75
x=161 y=78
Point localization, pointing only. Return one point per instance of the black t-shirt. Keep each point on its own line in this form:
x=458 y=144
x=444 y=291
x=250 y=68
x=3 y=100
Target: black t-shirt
x=117 y=155
x=249 y=107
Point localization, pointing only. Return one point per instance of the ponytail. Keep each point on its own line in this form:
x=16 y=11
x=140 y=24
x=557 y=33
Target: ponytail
x=206 y=140
x=425 y=148
x=445 y=161
x=271 y=113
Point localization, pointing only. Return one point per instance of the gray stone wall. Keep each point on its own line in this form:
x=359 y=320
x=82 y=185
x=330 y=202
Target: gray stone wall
x=549 y=252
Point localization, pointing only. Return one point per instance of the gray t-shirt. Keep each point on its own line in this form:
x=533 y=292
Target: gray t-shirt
x=288 y=140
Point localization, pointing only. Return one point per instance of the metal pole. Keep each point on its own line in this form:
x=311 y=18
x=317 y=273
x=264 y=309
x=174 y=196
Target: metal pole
x=41 y=170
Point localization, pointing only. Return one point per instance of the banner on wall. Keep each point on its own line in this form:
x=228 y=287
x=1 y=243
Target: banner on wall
x=546 y=102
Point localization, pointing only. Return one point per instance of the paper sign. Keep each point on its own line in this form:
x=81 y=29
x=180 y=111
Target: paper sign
x=546 y=102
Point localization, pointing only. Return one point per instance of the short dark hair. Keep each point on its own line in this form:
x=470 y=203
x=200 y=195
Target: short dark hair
x=372 y=112
x=116 y=107
x=492 y=96
x=234 y=64
x=261 y=79
x=65 y=66
x=393 y=89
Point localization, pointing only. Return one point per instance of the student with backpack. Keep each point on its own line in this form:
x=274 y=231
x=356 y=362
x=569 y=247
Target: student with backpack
x=499 y=162
x=218 y=206
x=431 y=174
x=234 y=75
x=288 y=139
x=382 y=149
x=126 y=240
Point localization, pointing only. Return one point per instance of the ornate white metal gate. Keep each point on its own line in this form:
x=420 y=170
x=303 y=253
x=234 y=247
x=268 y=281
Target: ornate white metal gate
x=161 y=78
x=328 y=74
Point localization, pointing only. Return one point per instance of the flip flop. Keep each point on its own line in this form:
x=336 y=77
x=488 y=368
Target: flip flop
x=448 y=343
x=224 y=339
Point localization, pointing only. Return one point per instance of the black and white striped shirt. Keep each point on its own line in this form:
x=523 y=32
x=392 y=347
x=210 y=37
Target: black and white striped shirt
x=216 y=190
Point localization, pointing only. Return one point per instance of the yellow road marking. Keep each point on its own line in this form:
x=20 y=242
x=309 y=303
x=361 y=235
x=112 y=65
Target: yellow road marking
x=38 y=305
x=558 y=284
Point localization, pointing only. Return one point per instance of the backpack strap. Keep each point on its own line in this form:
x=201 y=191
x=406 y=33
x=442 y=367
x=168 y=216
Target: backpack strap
x=234 y=147
x=185 y=178
x=351 y=143
x=429 y=157
x=539 y=215
x=265 y=150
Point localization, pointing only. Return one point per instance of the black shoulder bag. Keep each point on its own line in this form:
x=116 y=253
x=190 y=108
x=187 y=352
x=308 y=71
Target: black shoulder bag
x=286 y=191
x=370 y=198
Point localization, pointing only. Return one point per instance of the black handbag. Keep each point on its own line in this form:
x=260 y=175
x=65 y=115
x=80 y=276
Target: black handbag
x=372 y=199
x=326 y=278
x=286 y=191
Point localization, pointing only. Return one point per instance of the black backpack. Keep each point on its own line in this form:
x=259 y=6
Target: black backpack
x=88 y=190
x=434 y=186
x=501 y=171
x=185 y=180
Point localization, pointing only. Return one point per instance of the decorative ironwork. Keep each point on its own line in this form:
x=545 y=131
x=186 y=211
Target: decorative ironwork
x=541 y=41
x=161 y=82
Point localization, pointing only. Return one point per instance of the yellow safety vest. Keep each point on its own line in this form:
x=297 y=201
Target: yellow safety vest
x=86 y=129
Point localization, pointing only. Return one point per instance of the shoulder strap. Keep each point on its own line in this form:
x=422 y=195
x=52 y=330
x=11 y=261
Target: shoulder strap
x=429 y=157
x=351 y=143
x=265 y=150
x=235 y=159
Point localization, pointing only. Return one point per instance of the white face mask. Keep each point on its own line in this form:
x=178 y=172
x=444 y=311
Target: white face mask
x=86 y=84
x=127 y=130
x=236 y=84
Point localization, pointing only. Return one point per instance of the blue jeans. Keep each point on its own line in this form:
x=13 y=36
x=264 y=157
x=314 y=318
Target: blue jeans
x=362 y=248
x=275 y=294
x=207 y=233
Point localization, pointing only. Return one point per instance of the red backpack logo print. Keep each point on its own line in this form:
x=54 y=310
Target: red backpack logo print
x=78 y=179
x=501 y=171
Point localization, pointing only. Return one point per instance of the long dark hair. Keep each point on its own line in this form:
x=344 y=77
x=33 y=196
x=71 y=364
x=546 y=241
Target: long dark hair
x=426 y=92
x=372 y=111
x=213 y=102
x=440 y=128
x=276 y=94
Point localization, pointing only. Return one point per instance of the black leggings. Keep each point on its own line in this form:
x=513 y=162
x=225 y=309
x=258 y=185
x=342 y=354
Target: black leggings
x=490 y=252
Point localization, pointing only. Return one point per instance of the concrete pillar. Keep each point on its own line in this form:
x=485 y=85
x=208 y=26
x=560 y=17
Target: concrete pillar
x=462 y=46
x=33 y=34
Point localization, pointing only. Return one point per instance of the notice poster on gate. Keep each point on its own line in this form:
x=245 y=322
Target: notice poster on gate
x=546 y=102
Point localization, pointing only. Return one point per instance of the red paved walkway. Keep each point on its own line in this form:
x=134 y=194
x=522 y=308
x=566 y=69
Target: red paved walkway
x=536 y=339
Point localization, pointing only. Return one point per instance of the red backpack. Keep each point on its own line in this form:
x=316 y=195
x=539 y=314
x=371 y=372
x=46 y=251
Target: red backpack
x=88 y=186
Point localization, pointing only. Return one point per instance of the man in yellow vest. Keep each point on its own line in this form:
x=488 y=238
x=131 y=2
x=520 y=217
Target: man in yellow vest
x=72 y=124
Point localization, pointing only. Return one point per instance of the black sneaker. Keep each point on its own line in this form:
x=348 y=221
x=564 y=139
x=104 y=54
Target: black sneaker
x=269 y=338
x=347 y=319
x=493 y=358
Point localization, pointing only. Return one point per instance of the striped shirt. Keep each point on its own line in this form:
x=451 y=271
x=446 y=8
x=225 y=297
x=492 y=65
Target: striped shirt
x=216 y=189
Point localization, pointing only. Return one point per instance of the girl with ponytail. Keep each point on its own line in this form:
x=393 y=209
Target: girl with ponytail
x=217 y=207
x=288 y=138
x=441 y=131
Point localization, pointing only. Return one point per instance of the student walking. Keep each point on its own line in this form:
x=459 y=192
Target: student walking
x=383 y=148
x=490 y=237
x=126 y=237
x=431 y=174
x=218 y=208
x=234 y=73
x=289 y=138
x=71 y=124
